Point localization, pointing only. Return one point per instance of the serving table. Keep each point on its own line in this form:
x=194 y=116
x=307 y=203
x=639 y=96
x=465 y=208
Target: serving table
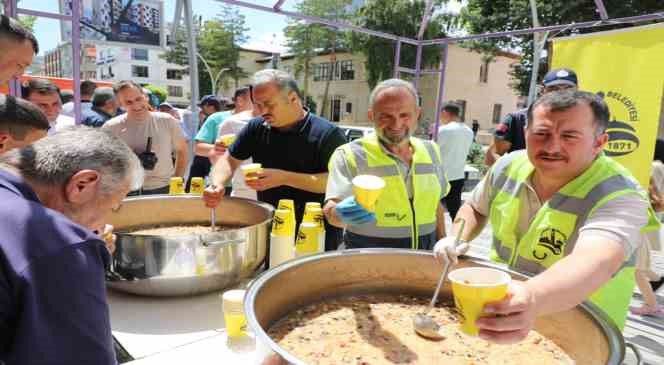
x=177 y=330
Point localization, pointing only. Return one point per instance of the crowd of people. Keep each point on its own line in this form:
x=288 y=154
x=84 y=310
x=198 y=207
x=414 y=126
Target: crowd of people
x=559 y=208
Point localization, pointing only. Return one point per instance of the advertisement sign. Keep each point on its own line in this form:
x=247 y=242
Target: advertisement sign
x=118 y=22
x=625 y=67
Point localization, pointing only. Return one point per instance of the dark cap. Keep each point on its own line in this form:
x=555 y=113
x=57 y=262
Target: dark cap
x=227 y=102
x=560 y=76
x=167 y=105
x=210 y=100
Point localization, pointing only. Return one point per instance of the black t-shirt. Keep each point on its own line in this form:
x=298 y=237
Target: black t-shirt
x=305 y=148
x=511 y=129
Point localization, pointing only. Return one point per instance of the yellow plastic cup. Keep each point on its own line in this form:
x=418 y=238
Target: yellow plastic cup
x=307 y=239
x=176 y=186
x=234 y=318
x=197 y=186
x=473 y=287
x=310 y=205
x=367 y=189
x=281 y=223
x=251 y=168
x=227 y=139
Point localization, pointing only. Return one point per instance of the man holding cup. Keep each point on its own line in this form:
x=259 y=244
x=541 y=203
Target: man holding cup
x=407 y=214
x=562 y=211
x=291 y=144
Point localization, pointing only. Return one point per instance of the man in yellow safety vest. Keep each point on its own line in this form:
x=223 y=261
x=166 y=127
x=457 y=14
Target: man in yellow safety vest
x=562 y=211
x=408 y=213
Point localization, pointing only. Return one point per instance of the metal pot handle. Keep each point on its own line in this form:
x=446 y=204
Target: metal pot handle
x=636 y=351
x=222 y=243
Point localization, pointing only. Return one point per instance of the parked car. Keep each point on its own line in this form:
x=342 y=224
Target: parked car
x=354 y=132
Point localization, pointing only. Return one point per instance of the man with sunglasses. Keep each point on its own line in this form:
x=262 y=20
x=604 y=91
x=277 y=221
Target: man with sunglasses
x=509 y=134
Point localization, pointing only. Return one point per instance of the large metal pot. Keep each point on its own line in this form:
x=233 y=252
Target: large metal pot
x=584 y=332
x=186 y=264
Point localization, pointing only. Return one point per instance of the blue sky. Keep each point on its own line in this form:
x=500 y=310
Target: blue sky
x=262 y=25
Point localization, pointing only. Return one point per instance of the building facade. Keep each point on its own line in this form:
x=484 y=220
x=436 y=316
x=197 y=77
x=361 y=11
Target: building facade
x=481 y=87
x=59 y=62
x=144 y=66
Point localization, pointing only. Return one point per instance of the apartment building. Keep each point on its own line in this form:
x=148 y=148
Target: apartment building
x=144 y=66
x=481 y=87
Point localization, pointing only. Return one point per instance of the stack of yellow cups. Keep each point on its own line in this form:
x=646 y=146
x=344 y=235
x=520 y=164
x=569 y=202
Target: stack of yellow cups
x=313 y=213
x=282 y=239
x=307 y=239
x=289 y=205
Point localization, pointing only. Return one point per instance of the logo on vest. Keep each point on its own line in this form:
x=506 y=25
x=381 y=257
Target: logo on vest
x=551 y=240
x=395 y=216
x=623 y=138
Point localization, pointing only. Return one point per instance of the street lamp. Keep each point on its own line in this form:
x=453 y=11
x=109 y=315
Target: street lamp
x=214 y=79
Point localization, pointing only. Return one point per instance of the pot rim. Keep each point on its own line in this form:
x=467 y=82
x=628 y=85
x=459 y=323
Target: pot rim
x=269 y=207
x=614 y=336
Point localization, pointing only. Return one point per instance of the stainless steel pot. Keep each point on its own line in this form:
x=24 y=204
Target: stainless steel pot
x=186 y=264
x=584 y=332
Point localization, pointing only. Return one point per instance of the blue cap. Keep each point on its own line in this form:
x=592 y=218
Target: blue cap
x=209 y=100
x=560 y=76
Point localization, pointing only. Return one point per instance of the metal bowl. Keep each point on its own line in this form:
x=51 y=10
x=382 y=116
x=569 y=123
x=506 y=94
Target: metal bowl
x=186 y=264
x=584 y=332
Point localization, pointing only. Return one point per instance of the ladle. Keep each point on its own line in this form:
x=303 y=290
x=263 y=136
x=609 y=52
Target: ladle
x=424 y=325
x=213 y=215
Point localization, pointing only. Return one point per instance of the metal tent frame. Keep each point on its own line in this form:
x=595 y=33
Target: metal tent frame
x=444 y=42
x=12 y=10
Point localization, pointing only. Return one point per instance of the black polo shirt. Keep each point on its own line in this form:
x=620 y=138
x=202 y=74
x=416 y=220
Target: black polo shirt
x=305 y=147
x=511 y=129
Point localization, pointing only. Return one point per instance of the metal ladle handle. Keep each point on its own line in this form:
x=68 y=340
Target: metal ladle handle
x=213 y=215
x=447 y=267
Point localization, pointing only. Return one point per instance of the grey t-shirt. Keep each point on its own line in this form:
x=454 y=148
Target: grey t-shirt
x=619 y=219
x=165 y=132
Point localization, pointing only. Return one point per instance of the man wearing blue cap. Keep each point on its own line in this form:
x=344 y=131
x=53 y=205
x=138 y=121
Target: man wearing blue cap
x=509 y=134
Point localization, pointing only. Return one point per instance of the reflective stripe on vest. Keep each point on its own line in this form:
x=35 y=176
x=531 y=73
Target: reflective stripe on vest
x=554 y=230
x=394 y=212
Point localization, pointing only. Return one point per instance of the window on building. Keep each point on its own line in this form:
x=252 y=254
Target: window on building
x=484 y=72
x=335 y=109
x=347 y=71
x=139 y=54
x=349 y=108
x=175 y=91
x=462 y=112
x=139 y=71
x=325 y=71
x=497 y=110
x=173 y=74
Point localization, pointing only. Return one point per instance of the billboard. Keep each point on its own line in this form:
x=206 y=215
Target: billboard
x=130 y=22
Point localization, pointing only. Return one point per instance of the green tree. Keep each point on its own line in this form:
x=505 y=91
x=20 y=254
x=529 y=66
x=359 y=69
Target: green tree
x=306 y=40
x=28 y=21
x=483 y=16
x=234 y=24
x=218 y=48
x=402 y=18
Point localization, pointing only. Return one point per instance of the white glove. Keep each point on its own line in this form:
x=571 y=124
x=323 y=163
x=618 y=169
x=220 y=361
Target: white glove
x=447 y=251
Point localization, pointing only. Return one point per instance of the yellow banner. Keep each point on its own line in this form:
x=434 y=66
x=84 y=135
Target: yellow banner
x=626 y=67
